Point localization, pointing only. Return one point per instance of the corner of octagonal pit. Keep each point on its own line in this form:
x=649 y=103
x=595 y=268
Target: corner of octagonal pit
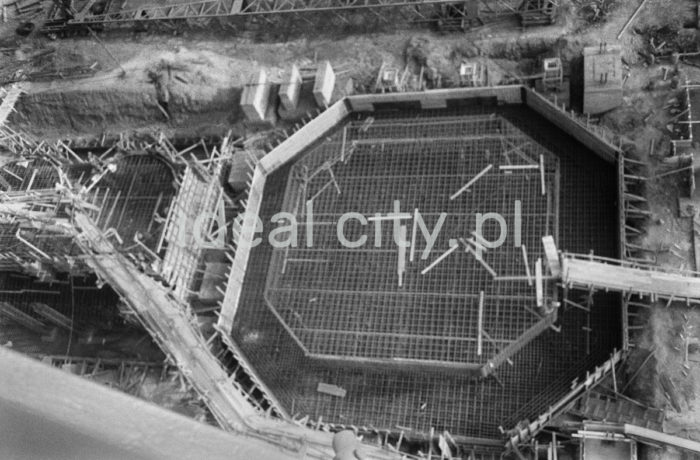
x=444 y=332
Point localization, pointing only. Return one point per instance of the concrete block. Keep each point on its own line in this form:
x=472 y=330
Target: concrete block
x=324 y=84
x=255 y=97
x=290 y=89
x=602 y=84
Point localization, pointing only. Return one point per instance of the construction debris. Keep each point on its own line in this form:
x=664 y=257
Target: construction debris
x=471 y=182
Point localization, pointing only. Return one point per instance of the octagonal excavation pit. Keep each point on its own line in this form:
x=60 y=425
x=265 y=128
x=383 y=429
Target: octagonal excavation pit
x=406 y=357
x=350 y=304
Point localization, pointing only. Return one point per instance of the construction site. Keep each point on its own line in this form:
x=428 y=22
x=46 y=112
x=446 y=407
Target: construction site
x=331 y=229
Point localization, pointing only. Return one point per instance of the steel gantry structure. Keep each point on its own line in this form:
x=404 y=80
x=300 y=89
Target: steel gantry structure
x=94 y=13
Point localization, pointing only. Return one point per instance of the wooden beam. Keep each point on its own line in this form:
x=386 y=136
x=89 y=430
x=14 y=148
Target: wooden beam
x=401 y=269
x=527 y=265
x=333 y=390
x=321 y=261
x=480 y=325
x=542 y=181
x=395 y=216
x=483 y=263
x=478 y=242
x=631 y=19
x=539 y=287
x=668 y=173
x=440 y=259
x=335 y=182
x=471 y=182
x=517 y=167
x=577 y=305
x=15 y=314
x=413 y=235
x=639 y=369
x=550 y=251
x=319 y=191
x=646 y=435
x=342 y=147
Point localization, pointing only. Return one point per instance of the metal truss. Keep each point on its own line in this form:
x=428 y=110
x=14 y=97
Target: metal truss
x=410 y=9
x=285 y=6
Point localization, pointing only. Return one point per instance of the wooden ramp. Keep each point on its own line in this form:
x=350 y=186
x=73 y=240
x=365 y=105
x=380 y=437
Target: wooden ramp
x=170 y=325
x=9 y=97
x=588 y=272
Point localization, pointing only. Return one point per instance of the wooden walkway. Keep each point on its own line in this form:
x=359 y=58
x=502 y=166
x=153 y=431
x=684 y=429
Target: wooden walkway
x=600 y=273
x=170 y=326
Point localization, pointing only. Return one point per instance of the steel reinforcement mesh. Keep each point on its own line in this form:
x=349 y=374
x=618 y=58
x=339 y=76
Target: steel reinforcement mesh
x=418 y=399
x=129 y=198
x=348 y=304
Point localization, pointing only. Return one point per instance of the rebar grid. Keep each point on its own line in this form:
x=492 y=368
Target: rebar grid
x=392 y=399
x=130 y=198
x=347 y=302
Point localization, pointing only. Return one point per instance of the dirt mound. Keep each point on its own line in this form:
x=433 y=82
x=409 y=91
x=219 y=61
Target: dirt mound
x=436 y=59
x=182 y=91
